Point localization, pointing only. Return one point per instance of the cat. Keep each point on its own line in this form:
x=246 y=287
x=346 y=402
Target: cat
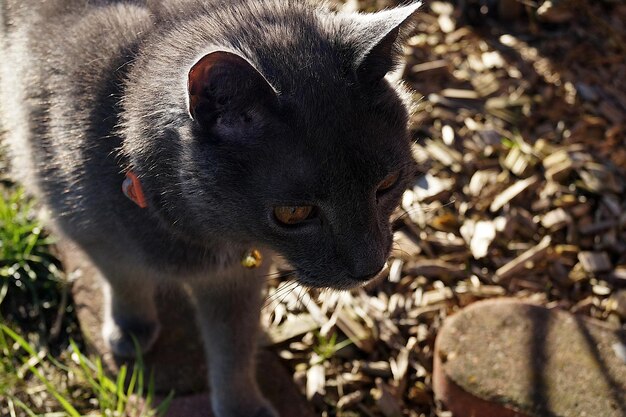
x=183 y=141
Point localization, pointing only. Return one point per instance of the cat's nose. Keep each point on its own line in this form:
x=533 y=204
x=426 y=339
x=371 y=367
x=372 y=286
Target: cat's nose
x=366 y=260
x=367 y=277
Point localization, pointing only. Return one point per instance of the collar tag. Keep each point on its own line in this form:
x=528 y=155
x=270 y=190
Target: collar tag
x=131 y=187
x=252 y=259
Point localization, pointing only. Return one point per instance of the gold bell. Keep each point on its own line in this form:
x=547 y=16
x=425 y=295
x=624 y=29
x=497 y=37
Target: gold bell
x=252 y=259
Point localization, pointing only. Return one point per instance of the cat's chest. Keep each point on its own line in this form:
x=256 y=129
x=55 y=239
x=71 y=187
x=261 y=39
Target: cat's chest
x=170 y=254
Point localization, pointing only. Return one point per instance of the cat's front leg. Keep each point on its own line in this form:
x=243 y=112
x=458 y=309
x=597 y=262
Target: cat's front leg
x=130 y=313
x=228 y=316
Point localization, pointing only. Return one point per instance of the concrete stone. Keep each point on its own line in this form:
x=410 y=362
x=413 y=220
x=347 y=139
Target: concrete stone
x=177 y=358
x=506 y=358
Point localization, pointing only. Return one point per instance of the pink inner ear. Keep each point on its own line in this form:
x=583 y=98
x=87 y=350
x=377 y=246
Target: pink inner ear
x=199 y=77
x=201 y=73
x=219 y=63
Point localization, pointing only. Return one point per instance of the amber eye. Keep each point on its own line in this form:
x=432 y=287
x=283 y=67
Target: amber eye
x=292 y=214
x=388 y=182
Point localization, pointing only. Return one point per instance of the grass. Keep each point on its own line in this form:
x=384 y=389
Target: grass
x=326 y=347
x=32 y=293
x=43 y=371
x=76 y=385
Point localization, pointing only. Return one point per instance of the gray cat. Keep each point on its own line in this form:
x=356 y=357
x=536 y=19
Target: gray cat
x=233 y=127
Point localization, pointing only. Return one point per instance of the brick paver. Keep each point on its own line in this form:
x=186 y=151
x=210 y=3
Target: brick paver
x=505 y=358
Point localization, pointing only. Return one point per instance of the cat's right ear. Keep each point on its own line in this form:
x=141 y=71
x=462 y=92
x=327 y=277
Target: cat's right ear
x=224 y=83
x=382 y=36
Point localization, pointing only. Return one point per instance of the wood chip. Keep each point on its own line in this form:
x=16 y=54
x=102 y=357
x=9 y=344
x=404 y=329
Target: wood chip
x=520 y=263
x=480 y=180
x=315 y=380
x=405 y=247
x=513 y=191
x=460 y=94
x=378 y=368
x=446 y=23
x=518 y=162
x=618 y=303
x=479 y=235
x=435 y=269
x=556 y=219
x=444 y=154
x=429 y=66
x=560 y=172
x=395 y=271
x=447 y=135
x=292 y=327
x=595 y=262
x=434 y=297
x=429 y=188
x=350 y=400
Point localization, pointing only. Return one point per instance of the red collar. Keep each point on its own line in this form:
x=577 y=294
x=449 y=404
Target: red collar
x=131 y=187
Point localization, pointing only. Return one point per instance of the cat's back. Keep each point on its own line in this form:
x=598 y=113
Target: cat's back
x=61 y=60
x=63 y=75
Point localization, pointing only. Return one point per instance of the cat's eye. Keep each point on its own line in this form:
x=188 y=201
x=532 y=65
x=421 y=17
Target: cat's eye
x=388 y=182
x=291 y=215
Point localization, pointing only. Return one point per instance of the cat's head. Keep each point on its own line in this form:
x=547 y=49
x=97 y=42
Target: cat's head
x=301 y=145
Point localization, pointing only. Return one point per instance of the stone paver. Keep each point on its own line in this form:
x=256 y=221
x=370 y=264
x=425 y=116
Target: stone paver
x=177 y=358
x=506 y=358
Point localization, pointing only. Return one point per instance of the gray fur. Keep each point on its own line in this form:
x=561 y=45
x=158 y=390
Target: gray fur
x=91 y=89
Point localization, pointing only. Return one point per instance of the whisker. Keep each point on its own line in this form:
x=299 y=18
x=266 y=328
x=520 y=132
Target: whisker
x=396 y=245
x=293 y=288
x=279 y=290
x=299 y=299
x=291 y=271
x=278 y=293
x=425 y=209
x=279 y=277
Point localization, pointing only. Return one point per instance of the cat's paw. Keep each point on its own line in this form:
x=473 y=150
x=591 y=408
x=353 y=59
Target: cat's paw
x=121 y=335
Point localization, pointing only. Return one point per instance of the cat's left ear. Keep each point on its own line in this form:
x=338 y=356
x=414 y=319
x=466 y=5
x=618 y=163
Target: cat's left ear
x=224 y=83
x=383 y=34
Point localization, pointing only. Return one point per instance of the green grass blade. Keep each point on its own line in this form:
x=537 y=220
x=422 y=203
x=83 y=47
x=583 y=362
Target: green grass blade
x=58 y=364
x=342 y=345
x=140 y=367
x=31 y=240
x=106 y=402
x=121 y=396
x=150 y=395
x=132 y=382
x=19 y=339
x=4 y=345
x=164 y=405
